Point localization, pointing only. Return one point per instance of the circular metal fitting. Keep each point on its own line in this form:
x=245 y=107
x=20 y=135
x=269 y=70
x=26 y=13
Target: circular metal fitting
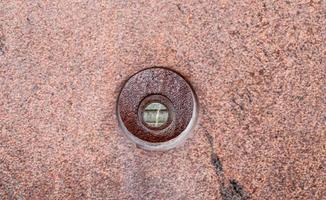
x=167 y=90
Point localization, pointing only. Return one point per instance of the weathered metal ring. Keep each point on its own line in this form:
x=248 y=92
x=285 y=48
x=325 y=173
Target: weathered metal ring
x=157 y=85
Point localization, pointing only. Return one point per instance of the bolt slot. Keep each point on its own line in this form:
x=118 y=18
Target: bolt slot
x=155 y=114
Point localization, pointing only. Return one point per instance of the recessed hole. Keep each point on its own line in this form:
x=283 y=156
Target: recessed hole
x=155 y=115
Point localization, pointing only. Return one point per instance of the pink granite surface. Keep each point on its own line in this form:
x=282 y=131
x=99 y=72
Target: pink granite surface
x=258 y=68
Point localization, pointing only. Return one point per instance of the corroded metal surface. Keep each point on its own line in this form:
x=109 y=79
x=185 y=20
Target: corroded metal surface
x=150 y=85
x=258 y=69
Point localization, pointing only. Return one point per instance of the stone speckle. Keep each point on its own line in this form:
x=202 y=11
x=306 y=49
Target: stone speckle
x=258 y=68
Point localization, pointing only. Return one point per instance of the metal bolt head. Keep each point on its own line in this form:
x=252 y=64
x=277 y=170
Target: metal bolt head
x=157 y=108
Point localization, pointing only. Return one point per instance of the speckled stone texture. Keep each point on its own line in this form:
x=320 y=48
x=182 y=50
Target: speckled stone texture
x=258 y=68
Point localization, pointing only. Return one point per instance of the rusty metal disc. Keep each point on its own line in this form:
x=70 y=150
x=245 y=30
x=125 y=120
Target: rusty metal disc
x=163 y=86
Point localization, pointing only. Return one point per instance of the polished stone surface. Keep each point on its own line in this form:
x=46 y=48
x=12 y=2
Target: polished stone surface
x=258 y=68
